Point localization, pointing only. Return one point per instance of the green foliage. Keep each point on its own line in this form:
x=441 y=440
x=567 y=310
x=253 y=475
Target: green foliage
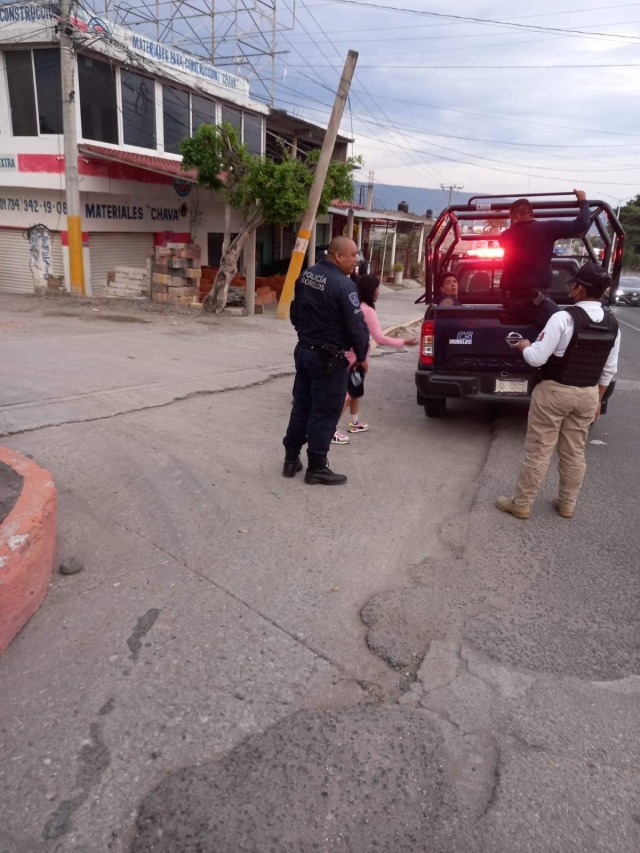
x=250 y=184
x=630 y=221
x=398 y=267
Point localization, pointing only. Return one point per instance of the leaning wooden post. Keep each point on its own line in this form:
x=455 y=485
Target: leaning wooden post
x=297 y=258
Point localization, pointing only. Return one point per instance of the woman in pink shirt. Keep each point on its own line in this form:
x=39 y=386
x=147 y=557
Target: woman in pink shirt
x=368 y=290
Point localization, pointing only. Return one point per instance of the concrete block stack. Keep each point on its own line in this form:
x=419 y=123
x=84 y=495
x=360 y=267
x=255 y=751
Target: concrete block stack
x=265 y=296
x=55 y=286
x=176 y=274
x=128 y=283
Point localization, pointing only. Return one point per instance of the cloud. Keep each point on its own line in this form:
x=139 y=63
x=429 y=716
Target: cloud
x=534 y=120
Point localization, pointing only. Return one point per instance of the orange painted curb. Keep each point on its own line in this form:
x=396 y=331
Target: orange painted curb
x=27 y=546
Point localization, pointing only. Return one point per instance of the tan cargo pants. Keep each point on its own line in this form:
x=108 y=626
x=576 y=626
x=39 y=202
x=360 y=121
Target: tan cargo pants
x=559 y=415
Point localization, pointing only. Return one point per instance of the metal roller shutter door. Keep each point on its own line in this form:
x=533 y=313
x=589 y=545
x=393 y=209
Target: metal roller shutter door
x=15 y=272
x=110 y=249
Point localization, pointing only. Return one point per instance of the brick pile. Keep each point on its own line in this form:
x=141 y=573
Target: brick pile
x=176 y=274
x=265 y=296
x=128 y=283
x=268 y=289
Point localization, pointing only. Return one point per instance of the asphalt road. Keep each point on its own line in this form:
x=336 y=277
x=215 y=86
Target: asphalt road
x=248 y=663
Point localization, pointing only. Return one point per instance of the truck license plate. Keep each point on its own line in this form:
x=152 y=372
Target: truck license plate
x=512 y=386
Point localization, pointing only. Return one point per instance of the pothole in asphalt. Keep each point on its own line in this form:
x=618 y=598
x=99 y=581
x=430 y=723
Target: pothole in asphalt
x=362 y=779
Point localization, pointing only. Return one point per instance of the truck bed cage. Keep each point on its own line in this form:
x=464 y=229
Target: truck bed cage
x=520 y=195
x=496 y=207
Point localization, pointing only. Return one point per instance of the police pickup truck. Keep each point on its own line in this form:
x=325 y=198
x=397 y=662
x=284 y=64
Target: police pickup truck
x=465 y=350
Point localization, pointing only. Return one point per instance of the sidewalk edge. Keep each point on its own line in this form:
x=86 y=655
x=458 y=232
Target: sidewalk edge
x=27 y=546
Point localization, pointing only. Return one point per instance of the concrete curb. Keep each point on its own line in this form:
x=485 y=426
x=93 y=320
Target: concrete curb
x=27 y=546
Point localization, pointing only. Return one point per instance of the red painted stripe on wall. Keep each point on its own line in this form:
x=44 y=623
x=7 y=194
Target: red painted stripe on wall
x=64 y=238
x=53 y=164
x=161 y=238
x=99 y=168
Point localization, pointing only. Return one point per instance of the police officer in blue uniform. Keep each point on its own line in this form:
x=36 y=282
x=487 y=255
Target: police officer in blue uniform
x=327 y=316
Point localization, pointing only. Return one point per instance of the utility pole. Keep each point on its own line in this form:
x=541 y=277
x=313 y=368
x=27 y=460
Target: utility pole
x=370 y=192
x=72 y=186
x=350 y=222
x=328 y=144
x=451 y=188
x=250 y=274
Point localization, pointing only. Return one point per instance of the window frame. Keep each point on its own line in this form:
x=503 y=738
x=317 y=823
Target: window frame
x=158 y=130
x=189 y=94
x=35 y=92
x=260 y=118
x=14 y=135
x=116 y=83
x=216 y=109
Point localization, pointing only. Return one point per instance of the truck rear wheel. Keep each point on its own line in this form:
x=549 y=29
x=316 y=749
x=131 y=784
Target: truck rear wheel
x=435 y=408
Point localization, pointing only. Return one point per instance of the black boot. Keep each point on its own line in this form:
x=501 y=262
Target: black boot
x=292 y=463
x=319 y=472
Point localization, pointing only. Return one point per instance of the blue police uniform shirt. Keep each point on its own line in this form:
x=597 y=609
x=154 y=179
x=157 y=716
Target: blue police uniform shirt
x=528 y=249
x=326 y=310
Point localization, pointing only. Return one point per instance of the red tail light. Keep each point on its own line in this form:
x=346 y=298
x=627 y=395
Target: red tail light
x=426 y=342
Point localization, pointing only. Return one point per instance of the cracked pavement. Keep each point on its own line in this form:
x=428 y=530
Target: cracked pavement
x=249 y=664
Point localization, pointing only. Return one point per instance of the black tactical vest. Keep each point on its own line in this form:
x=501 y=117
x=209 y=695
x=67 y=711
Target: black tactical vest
x=588 y=350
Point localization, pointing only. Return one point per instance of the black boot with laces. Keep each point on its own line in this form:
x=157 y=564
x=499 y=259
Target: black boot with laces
x=292 y=463
x=319 y=472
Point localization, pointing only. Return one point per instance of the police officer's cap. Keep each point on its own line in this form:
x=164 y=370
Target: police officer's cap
x=592 y=277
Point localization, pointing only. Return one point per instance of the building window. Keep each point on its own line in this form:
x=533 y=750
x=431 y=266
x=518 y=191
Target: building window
x=46 y=64
x=232 y=117
x=138 y=109
x=22 y=96
x=98 y=100
x=175 y=112
x=202 y=112
x=253 y=133
x=34 y=91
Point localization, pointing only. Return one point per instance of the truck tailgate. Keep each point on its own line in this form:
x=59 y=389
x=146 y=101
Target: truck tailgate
x=472 y=339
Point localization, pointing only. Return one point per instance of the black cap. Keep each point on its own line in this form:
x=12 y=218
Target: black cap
x=355 y=385
x=591 y=276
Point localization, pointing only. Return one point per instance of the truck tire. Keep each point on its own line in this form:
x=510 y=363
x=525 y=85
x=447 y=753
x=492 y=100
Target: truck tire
x=435 y=408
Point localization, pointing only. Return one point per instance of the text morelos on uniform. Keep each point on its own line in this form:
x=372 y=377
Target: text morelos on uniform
x=313 y=279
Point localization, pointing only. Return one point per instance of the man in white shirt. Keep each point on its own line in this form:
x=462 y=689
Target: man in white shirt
x=577 y=352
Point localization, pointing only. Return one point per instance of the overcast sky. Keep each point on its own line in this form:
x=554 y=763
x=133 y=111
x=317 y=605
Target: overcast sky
x=574 y=126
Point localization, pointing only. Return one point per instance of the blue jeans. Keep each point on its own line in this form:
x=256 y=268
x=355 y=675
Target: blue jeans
x=317 y=404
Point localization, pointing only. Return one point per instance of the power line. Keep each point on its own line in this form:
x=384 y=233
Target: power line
x=486 y=21
x=324 y=86
x=416 y=133
x=515 y=119
x=483 y=67
x=376 y=105
x=440 y=36
x=513 y=18
x=488 y=167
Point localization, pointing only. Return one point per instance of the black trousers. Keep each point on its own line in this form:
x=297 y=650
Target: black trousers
x=525 y=312
x=317 y=404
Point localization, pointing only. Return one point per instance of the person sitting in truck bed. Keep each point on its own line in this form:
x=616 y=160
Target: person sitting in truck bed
x=528 y=249
x=448 y=290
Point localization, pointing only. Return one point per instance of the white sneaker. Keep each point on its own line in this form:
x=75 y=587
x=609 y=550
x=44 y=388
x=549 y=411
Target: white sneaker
x=340 y=438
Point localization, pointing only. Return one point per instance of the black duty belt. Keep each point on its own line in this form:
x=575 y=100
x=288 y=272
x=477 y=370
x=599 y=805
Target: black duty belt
x=329 y=350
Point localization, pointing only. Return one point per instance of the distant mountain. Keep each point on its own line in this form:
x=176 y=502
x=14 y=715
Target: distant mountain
x=419 y=199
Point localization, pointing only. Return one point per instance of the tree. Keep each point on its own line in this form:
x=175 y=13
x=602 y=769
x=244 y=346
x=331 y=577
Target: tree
x=630 y=221
x=262 y=190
